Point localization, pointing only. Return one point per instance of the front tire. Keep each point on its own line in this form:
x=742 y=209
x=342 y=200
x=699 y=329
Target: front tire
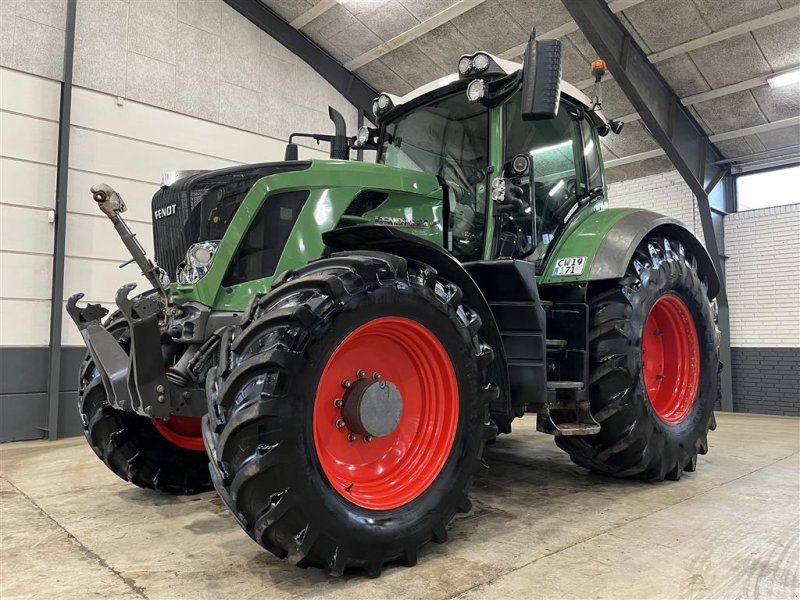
x=295 y=467
x=654 y=370
x=167 y=456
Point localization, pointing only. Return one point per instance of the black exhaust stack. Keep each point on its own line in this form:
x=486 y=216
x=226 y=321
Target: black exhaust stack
x=340 y=145
x=340 y=149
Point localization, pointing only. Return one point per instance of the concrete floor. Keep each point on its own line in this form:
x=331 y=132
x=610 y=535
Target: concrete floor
x=541 y=528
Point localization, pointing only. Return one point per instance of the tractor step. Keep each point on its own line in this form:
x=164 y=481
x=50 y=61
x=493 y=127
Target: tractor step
x=556 y=345
x=564 y=385
x=576 y=429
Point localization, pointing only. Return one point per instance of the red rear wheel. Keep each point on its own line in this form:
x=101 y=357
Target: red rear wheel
x=402 y=364
x=671 y=358
x=184 y=432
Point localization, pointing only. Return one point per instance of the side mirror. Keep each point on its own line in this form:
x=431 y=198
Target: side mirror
x=291 y=152
x=541 y=79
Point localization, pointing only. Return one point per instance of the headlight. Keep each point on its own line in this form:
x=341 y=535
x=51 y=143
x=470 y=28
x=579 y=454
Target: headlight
x=362 y=137
x=476 y=90
x=480 y=62
x=381 y=104
x=464 y=65
x=197 y=262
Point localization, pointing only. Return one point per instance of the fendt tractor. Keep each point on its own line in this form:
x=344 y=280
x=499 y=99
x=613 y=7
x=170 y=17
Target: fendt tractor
x=332 y=343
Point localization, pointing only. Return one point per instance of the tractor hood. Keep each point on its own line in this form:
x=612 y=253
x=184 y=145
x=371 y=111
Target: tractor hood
x=268 y=217
x=194 y=206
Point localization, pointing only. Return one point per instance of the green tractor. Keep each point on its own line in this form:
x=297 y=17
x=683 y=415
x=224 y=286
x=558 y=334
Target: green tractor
x=331 y=344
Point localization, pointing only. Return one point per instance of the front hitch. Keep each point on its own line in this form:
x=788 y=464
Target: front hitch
x=134 y=380
x=111 y=204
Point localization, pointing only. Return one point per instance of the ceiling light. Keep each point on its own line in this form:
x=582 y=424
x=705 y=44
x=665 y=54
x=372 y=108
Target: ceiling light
x=556 y=187
x=544 y=149
x=786 y=78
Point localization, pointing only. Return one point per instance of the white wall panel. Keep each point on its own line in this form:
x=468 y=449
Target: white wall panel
x=24 y=323
x=95 y=237
x=27 y=184
x=28 y=150
x=763 y=271
x=97 y=111
x=25 y=230
x=107 y=153
x=664 y=193
x=137 y=195
x=25 y=276
x=99 y=280
x=29 y=95
x=28 y=138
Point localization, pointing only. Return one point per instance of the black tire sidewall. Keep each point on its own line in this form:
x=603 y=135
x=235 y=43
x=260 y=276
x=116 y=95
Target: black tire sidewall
x=325 y=504
x=683 y=283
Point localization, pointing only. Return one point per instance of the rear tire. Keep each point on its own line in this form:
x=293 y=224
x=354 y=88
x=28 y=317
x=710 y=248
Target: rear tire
x=648 y=432
x=274 y=446
x=130 y=445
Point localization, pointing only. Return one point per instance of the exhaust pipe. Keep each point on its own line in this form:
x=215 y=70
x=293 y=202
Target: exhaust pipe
x=340 y=149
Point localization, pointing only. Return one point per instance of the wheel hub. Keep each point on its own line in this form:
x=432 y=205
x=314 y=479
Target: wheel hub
x=671 y=358
x=372 y=408
x=382 y=446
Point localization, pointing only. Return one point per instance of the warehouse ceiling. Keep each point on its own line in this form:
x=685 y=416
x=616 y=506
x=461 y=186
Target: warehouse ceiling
x=716 y=54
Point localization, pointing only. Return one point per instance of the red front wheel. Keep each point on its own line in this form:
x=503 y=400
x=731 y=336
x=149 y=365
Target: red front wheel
x=351 y=420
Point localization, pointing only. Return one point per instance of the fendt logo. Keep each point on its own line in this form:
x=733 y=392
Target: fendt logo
x=167 y=211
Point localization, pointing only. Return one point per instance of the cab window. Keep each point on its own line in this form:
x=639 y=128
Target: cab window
x=556 y=150
x=448 y=138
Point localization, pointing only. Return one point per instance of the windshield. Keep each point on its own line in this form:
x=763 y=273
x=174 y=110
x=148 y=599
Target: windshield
x=449 y=139
x=552 y=144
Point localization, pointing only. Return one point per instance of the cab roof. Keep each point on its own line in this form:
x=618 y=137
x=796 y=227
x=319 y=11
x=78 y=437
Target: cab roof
x=509 y=67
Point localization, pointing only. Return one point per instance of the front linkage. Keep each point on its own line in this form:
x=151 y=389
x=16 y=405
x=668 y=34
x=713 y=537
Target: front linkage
x=137 y=380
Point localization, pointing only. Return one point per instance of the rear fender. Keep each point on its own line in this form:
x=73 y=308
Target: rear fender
x=399 y=243
x=607 y=239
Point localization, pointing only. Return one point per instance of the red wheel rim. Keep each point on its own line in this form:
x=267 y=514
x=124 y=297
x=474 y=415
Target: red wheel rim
x=671 y=358
x=389 y=471
x=185 y=432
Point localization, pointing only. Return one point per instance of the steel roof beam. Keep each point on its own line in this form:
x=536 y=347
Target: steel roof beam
x=348 y=84
x=670 y=123
x=673 y=127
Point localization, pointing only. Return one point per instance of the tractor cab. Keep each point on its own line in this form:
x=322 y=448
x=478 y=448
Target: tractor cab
x=513 y=177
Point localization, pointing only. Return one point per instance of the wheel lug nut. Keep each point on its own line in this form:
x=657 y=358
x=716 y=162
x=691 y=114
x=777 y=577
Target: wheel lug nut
x=351 y=437
x=376 y=375
x=346 y=383
x=367 y=438
x=360 y=374
x=338 y=403
x=340 y=423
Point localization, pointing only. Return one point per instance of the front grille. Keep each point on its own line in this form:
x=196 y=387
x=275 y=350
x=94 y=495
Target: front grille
x=200 y=207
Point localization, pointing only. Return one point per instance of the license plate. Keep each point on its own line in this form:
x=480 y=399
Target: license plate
x=569 y=266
